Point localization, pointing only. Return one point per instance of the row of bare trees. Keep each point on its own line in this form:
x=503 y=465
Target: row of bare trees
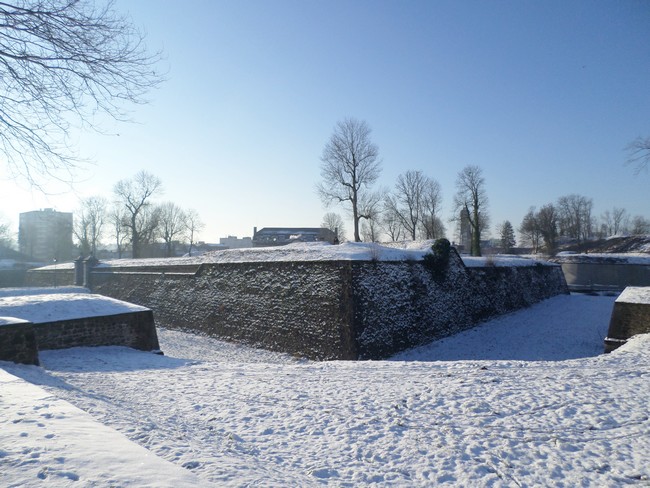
x=350 y=166
x=134 y=219
x=571 y=218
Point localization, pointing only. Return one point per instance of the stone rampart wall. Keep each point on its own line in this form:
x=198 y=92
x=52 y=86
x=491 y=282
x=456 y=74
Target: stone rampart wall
x=302 y=308
x=329 y=309
x=401 y=305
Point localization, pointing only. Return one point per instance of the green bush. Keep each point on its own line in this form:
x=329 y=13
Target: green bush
x=437 y=260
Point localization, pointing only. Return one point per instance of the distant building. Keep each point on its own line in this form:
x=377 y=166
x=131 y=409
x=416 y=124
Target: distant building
x=232 y=242
x=280 y=236
x=46 y=235
x=465 y=230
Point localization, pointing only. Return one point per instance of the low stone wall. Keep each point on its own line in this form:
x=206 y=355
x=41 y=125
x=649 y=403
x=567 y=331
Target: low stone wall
x=17 y=341
x=329 y=309
x=134 y=329
x=58 y=318
x=630 y=316
x=11 y=278
x=51 y=277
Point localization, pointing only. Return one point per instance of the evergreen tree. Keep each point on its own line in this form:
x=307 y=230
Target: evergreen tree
x=507 y=234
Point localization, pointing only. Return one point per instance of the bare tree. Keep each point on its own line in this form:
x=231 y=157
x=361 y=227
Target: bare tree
x=472 y=198
x=117 y=218
x=614 y=222
x=349 y=167
x=135 y=197
x=529 y=229
x=406 y=202
x=619 y=220
x=432 y=225
x=574 y=216
x=193 y=226
x=547 y=221
x=391 y=224
x=640 y=225
x=63 y=62
x=89 y=224
x=371 y=209
x=172 y=225
x=148 y=231
x=639 y=154
x=334 y=222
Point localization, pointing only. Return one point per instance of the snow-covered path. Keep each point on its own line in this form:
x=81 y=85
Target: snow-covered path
x=239 y=417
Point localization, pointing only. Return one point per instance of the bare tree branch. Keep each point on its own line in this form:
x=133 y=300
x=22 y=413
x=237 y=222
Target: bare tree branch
x=639 y=154
x=63 y=63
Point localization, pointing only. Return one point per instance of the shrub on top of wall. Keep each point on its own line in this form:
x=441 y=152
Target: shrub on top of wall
x=437 y=260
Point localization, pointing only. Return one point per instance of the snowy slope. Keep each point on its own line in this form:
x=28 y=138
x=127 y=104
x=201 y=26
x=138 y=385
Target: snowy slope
x=47 y=441
x=240 y=417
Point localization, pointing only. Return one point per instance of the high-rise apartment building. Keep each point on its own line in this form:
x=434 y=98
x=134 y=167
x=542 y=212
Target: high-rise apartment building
x=46 y=235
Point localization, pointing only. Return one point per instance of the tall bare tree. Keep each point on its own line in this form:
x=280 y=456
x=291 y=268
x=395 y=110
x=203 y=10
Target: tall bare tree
x=89 y=224
x=172 y=225
x=471 y=197
x=349 y=167
x=135 y=196
x=193 y=225
x=63 y=62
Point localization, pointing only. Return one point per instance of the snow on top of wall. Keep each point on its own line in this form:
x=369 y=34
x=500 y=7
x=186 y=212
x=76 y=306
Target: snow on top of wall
x=314 y=251
x=44 y=290
x=12 y=321
x=51 y=307
x=635 y=294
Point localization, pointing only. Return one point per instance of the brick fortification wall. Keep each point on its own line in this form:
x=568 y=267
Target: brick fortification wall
x=329 y=309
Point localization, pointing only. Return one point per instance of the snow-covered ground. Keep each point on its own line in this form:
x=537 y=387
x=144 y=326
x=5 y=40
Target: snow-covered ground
x=524 y=400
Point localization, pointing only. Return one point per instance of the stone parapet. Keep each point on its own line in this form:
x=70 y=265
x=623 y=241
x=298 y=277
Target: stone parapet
x=18 y=341
x=630 y=316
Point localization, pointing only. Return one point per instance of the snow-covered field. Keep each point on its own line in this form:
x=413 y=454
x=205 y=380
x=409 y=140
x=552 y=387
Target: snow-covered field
x=524 y=400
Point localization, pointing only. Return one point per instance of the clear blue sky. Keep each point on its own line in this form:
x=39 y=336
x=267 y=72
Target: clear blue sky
x=543 y=96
